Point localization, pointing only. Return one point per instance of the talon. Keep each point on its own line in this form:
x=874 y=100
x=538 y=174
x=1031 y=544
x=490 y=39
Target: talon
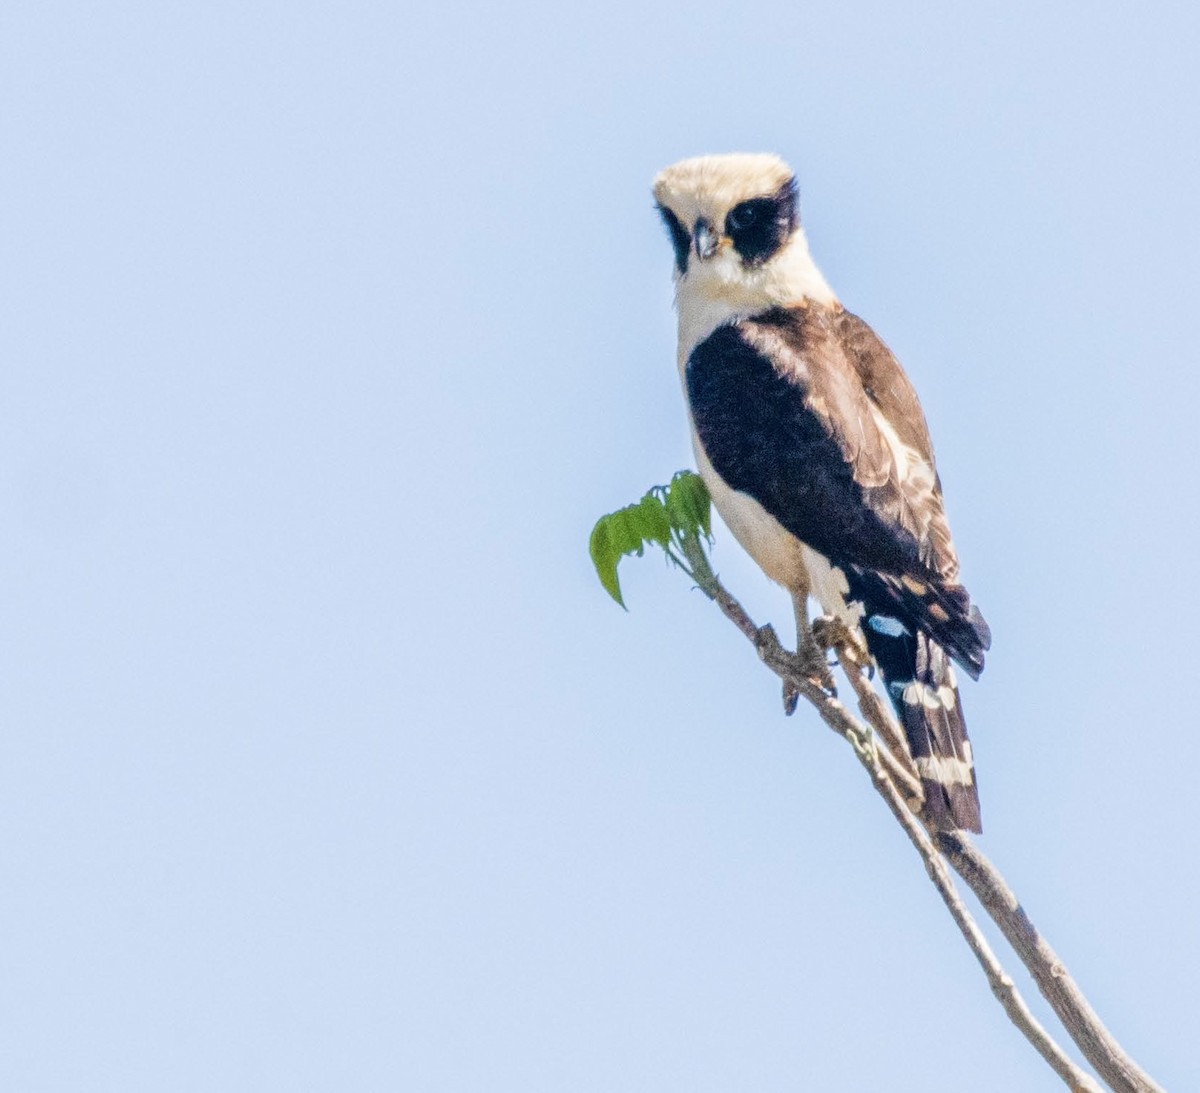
x=810 y=659
x=790 y=697
x=833 y=633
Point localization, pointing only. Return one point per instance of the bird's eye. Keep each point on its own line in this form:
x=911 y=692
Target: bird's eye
x=743 y=216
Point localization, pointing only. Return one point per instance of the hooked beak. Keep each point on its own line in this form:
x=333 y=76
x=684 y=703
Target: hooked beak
x=705 y=240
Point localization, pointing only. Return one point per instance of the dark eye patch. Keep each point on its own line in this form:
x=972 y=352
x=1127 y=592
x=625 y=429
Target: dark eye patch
x=748 y=214
x=760 y=226
x=679 y=237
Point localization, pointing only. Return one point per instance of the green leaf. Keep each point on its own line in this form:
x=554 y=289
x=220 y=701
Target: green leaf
x=664 y=512
x=654 y=525
x=624 y=532
x=605 y=556
x=688 y=505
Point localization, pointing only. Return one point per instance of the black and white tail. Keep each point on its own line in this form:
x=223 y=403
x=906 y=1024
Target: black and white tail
x=912 y=629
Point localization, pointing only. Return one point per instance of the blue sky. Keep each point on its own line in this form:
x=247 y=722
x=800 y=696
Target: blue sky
x=328 y=331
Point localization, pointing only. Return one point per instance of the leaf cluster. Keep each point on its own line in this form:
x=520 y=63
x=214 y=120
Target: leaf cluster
x=674 y=517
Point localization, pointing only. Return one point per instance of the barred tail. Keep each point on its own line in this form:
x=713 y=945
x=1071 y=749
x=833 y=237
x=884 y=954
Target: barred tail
x=913 y=627
x=920 y=682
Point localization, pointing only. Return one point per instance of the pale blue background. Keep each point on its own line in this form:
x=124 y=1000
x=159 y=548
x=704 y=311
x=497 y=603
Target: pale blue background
x=326 y=333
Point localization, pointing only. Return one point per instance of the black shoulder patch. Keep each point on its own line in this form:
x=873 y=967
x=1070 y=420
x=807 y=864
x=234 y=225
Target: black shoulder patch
x=763 y=439
x=679 y=237
x=760 y=226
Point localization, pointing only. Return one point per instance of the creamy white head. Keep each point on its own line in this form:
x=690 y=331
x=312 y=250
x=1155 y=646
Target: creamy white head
x=739 y=248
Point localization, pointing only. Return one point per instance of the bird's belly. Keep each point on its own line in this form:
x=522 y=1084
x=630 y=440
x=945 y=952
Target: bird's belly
x=779 y=554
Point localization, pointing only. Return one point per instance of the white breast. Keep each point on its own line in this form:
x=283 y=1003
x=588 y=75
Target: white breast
x=777 y=551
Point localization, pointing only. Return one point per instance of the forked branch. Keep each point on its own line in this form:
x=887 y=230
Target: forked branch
x=676 y=518
x=893 y=779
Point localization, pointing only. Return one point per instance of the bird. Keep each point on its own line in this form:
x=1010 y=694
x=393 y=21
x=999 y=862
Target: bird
x=816 y=453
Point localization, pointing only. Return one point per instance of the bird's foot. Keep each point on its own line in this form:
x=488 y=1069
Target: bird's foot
x=811 y=665
x=832 y=633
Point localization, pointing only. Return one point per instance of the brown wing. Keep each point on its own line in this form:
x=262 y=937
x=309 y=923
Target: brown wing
x=855 y=385
x=885 y=382
x=783 y=414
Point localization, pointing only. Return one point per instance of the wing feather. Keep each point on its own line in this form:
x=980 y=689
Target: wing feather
x=807 y=411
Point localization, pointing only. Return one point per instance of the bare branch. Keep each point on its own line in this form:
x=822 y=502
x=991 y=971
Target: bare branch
x=1002 y=985
x=1060 y=990
x=1082 y=1022
x=895 y=757
x=890 y=768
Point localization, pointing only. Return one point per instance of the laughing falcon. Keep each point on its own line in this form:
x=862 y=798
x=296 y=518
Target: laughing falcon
x=815 y=449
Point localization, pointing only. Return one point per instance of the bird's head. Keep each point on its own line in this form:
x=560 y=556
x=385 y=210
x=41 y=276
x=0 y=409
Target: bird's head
x=734 y=221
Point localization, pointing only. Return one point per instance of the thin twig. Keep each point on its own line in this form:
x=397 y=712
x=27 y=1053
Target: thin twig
x=896 y=756
x=1081 y=1021
x=1098 y=1045
x=998 y=979
x=887 y=772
